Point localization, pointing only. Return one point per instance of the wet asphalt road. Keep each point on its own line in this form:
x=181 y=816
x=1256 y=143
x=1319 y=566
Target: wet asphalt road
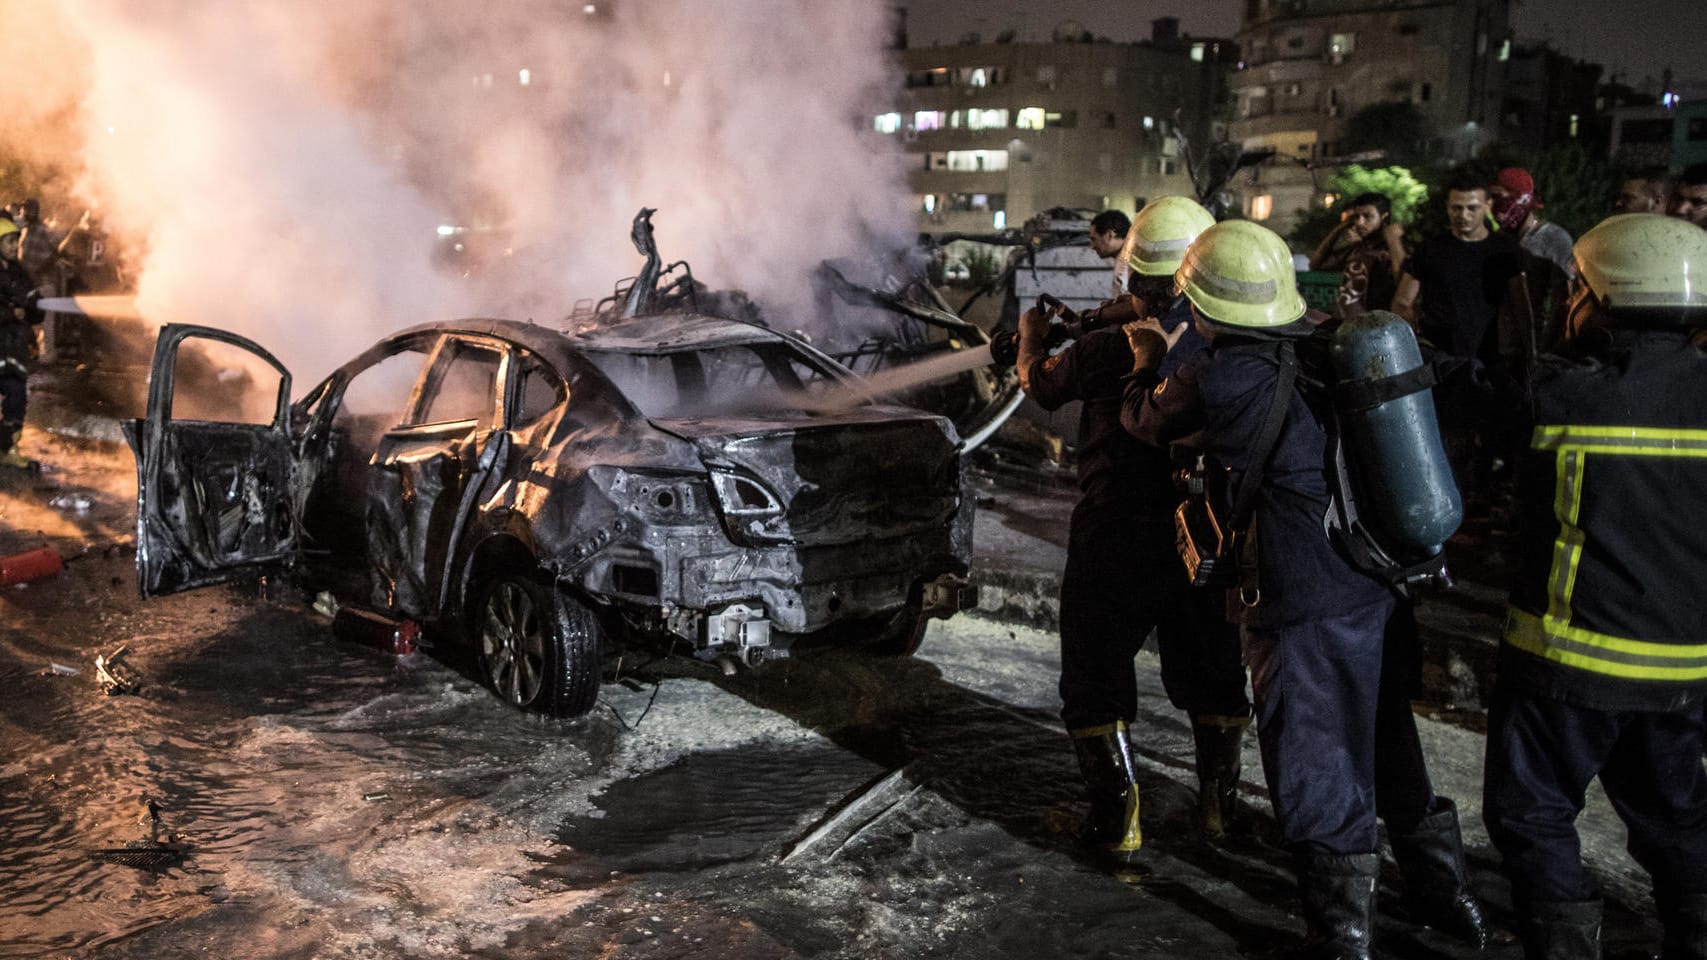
x=317 y=798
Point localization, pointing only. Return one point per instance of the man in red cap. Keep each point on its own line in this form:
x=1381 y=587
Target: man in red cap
x=1518 y=211
x=1536 y=322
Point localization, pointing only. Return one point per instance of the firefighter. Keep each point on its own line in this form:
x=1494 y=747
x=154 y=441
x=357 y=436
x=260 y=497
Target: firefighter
x=18 y=315
x=1603 y=666
x=1313 y=628
x=1123 y=575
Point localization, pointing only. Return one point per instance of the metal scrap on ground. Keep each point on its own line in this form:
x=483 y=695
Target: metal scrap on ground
x=864 y=809
x=116 y=677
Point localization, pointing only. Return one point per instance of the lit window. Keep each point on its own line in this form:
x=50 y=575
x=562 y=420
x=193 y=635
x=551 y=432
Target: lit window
x=1000 y=220
x=986 y=119
x=930 y=203
x=1262 y=207
x=1342 y=44
x=977 y=160
x=888 y=123
x=590 y=8
x=1197 y=53
x=1573 y=126
x=1505 y=50
x=979 y=78
x=928 y=120
x=1030 y=118
x=525 y=77
x=1149 y=123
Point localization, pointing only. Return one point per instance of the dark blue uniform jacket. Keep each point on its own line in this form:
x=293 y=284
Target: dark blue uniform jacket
x=1225 y=393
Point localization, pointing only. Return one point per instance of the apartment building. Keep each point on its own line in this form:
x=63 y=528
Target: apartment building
x=999 y=131
x=1309 y=65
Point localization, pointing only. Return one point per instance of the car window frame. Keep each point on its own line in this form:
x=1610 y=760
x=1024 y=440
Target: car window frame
x=432 y=375
x=516 y=380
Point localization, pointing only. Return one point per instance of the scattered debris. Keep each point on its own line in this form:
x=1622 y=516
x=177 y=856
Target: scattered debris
x=43 y=561
x=116 y=677
x=861 y=811
x=376 y=630
x=150 y=852
x=62 y=670
x=325 y=604
x=376 y=796
x=76 y=502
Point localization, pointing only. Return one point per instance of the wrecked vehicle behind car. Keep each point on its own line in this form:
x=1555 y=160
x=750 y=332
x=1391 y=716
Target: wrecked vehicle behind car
x=710 y=483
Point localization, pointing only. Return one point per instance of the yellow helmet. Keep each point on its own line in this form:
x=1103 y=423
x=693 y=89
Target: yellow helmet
x=1641 y=261
x=1161 y=232
x=1240 y=274
x=7 y=226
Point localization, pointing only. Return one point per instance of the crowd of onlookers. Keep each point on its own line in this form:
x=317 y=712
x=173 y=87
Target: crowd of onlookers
x=1489 y=293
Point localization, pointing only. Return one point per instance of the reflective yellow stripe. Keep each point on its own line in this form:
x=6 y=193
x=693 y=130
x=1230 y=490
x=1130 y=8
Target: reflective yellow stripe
x=1573 y=443
x=1622 y=441
x=1568 y=548
x=1570 y=646
x=1098 y=731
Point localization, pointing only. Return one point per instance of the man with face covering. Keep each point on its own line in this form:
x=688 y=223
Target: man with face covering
x=1518 y=212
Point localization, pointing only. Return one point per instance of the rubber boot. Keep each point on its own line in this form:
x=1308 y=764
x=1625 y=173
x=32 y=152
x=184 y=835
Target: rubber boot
x=1436 y=884
x=1217 y=739
x=1685 y=929
x=1105 y=760
x=10 y=433
x=1562 y=930
x=1339 y=905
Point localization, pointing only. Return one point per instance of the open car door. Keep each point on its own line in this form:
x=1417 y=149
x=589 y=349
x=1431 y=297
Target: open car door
x=214 y=462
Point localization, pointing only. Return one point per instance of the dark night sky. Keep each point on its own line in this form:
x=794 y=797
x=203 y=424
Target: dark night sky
x=1639 y=37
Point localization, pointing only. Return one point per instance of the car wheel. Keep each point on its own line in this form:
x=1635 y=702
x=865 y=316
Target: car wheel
x=901 y=635
x=540 y=649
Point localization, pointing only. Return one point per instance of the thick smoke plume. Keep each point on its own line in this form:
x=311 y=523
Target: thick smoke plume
x=283 y=167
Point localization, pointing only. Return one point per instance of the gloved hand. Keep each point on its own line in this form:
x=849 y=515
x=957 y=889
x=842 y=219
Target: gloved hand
x=1149 y=342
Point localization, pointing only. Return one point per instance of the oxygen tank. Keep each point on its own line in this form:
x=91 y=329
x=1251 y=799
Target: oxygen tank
x=1400 y=475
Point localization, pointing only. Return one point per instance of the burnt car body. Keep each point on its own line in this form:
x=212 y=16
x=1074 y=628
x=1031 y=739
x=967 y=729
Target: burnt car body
x=535 y=492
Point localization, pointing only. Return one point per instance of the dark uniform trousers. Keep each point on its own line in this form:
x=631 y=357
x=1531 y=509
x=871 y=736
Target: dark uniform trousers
x=1542 y=753
x=1317 y=686
x=1123 y=578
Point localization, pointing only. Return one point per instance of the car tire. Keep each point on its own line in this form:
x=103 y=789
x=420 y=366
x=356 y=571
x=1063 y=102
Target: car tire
x=540 y=649
x=901 y=635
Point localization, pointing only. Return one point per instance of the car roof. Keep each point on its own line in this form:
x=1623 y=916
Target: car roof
x=661 y=333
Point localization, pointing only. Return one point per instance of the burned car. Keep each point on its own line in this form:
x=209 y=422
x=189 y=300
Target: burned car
x=701 y=481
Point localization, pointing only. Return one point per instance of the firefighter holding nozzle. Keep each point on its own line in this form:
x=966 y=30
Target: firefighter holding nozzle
x=18 y=318
x=1603 y=667
x=1124 y=577
x=1339 y=743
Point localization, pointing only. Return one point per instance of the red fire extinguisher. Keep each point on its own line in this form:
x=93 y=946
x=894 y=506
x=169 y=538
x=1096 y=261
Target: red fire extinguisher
x=44 y=561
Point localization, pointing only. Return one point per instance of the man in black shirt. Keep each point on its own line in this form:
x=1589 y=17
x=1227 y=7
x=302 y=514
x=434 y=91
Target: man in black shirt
x=1453 y=290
